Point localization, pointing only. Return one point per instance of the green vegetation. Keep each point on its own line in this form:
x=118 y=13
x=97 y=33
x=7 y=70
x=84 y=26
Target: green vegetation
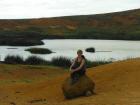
x=56 y=61
x=39 y=51
x=20 y=38
x=96 y=63
x=115 y=26
x=61 y=61
x=91 y=49
x=11 y=59
x=33 y=60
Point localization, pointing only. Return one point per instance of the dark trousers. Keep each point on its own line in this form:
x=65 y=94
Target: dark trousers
x=76 y=75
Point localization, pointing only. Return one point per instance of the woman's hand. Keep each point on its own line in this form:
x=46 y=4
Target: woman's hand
x=72 y=64
x=81 y=65
x=72 y=70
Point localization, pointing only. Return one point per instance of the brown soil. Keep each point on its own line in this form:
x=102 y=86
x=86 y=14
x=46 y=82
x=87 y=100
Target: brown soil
x=116 y=84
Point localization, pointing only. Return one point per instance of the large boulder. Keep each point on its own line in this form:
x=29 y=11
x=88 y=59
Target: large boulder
x=83 y=86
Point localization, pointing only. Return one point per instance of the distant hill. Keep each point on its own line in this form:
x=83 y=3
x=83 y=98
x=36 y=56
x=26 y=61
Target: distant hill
x=119 y=25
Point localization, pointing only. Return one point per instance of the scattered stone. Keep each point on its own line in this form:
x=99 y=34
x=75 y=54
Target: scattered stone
x=91 y=50
x=37 y=100
x=88 y=93
x=17 y=92
x=12 y=103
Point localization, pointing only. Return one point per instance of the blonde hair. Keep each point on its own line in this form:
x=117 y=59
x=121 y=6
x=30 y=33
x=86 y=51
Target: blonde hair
x=80 y=51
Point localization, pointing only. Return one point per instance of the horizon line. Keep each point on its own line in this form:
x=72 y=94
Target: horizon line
x=45 y=17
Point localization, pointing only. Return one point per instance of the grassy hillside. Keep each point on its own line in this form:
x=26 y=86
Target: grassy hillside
x=120 y=25
x=41 y=85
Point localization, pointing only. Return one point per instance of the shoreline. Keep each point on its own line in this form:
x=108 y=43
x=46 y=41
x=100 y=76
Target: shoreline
x=39 y=41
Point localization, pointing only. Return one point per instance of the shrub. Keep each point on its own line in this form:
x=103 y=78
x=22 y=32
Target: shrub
x=33 y=60
x=11 y=59
x=56 y=61
x=61 y=61
x=96 y=63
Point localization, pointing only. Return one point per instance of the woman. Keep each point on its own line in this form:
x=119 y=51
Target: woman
x=78 y=67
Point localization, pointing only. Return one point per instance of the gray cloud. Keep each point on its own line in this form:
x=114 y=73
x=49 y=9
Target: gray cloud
x=51 y=8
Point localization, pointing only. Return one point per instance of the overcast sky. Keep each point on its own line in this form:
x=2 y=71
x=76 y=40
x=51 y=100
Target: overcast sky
x=52 y=8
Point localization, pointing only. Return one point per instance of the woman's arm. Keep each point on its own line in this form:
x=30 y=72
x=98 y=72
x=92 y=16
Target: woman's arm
x=81 y=65
x=72 y=64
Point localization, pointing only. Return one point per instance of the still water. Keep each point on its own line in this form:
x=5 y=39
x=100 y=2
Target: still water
x=105 y=49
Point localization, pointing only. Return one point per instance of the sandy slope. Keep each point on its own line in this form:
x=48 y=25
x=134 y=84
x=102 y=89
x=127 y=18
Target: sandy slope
x=116 y=84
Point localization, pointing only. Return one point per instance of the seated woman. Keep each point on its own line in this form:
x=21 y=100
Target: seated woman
x=78 y=67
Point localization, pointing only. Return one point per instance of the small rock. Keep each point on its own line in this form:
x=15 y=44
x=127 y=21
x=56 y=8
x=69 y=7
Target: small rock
x=12 y=103
x=37 y=100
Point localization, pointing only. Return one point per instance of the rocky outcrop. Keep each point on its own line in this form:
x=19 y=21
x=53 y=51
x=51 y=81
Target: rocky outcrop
x=84 y=86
